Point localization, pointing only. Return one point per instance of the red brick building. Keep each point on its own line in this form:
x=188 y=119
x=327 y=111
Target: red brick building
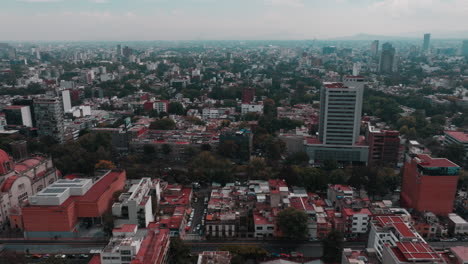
x=384 y=146
x=429 y=184
x=248 y=95
x=55 y=211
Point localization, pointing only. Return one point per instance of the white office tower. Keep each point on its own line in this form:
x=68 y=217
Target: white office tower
x=340 y=114
x=66 y=100
x=356 y=68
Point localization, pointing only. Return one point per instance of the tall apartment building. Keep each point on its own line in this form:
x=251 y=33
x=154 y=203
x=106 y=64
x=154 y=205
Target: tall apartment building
x=339 y=126
x=429 y=184
x=248 y=95
x=426 y=43
x=464 y=48
x=387 y=58
x=49 y=118
x=340 y=114
x=384 y=146
x=375 y=48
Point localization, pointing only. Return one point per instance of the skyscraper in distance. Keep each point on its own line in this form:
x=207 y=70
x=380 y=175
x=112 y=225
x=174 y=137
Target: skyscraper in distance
x=119 y=50
x=464 y=49
x=387 y=58
x=375 y=48
x=427 y=40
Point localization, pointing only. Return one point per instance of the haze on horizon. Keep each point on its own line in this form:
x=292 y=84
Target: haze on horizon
x=123 y=20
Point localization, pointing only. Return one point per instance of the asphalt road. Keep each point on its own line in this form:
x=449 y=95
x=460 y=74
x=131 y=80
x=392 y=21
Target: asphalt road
x=198 y=207
x=312 y=249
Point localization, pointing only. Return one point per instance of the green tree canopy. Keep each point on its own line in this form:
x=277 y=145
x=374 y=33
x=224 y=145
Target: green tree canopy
x=163 y=124
x=293 y=223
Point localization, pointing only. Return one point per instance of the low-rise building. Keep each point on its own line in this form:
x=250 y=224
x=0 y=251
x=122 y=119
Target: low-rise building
x=457 y=225
x=129 y=245
x=57 y=210
x=135 y=206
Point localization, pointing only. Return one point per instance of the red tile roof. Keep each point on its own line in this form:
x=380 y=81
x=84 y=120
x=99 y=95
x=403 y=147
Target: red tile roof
x=96 y=259
x=8 y=183
x=415 y=251
x=126 y=228
x=458 y=135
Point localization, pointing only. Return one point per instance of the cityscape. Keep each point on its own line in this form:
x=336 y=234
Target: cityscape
x=236 y=150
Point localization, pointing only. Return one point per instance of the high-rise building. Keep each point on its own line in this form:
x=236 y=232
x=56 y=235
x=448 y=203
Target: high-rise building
x=464 y=49
x=340 y=114
x=339 y=126
x=119 y=50
x=375 y=48
x=29 y=102
x=387 y=58
x=18 y=115
x=248 y=95
x=66 y=99
x=427 y=40
x=429 y=184
x=328 y=50
x=49 y=118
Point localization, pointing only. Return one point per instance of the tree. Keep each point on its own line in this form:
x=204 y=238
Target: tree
x=455 y=153
x=332 y=247
x=104 y=165
x=299 y=158
x=176 y=108
x=207 y=167
x=274 y=148
x=338 y=176
x=293 y=223
x=163 y=124
x=179 y=252
x=229 y=149
x=166 y=149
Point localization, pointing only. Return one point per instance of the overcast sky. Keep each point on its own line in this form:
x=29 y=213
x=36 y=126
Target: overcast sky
x=225 y=19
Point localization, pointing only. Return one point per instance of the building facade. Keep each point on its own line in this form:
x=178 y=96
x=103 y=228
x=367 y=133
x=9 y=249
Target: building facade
x=49 y=118
x=429 y=184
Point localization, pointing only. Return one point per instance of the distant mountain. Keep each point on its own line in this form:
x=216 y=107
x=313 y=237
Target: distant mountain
x=408 y=36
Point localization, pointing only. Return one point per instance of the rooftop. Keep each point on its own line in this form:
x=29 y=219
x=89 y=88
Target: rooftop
x=429 y=162
x=458 y=135
x=461 y=252
x=414 y=251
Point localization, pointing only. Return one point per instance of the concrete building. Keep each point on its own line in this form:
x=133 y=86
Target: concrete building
x=264 y=224
x=387 y=58
x=384 y=146
x=66 y=99
x=340 y=114
x=426 y=43
x=429 y=184
x=129 y=245
x=457 y=137
x=135 y=206
x=464 y=48
x=457 y=225
x=410 y=252
x=389 y=229
x=339 y=126
x=252 y=108
x=18 y=115
x=49 y=118
x=375 y=48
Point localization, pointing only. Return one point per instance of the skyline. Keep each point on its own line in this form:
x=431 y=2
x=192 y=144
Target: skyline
x=125 y=20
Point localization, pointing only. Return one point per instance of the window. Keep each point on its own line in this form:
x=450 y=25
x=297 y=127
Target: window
x=126 y=258
x=259 y=227
x=125 y=252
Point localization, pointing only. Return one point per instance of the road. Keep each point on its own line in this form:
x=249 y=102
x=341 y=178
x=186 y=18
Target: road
x=308 y=249
x=54 y=247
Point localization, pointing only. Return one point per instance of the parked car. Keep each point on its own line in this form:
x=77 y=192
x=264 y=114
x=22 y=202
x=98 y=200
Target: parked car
x=284 y=255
